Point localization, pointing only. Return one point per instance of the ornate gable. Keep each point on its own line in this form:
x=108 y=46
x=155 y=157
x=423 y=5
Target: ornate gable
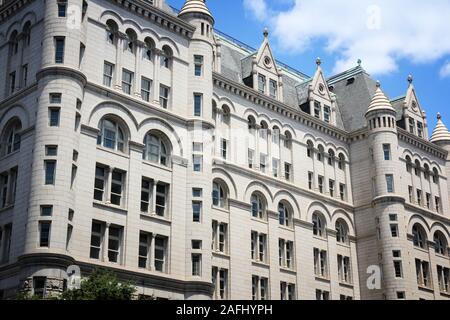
x=264 y=56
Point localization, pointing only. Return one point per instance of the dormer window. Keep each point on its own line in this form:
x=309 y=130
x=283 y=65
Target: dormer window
x=420 y=129
x=261 y=83
x=273 y=89
x=317 y=109
x=326 y=114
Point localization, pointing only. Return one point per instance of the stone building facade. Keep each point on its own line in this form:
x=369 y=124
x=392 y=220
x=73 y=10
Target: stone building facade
x=140 y=139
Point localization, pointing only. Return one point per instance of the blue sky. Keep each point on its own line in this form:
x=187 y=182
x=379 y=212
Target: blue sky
x=393 y=39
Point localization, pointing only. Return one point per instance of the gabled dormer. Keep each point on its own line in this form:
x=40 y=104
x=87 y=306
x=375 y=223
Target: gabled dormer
x=260 y=71
x=415 y=119
x=318 y=101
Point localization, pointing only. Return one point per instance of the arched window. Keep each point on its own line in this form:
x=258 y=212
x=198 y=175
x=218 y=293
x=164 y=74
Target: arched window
x=440 y=243
x=156 y=149
x=435 y=175
x=11 y=137
x=149 y=48
x=341 y=231
x=111 y=135
x=341 y=162
x=288 y=140
x=251 y=124
x=219 y=195
x=419 y=236
x=27 y=34
x=166 y=57
x=226 y=114
x=417 y=168
x=426 y=171
x=258 y=206
x=14 y=43
x=131 y=40
x=331 y=156
x=320 y=153
x=285 y=214
x=309 y=149
x=408 y=164
x=276 y=135
x=263 y=130
x=318 y=225
x=111 y=31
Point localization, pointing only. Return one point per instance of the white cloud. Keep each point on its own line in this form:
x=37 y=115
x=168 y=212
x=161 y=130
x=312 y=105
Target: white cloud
x=445 y=70
x=380 y=32
x=257 y=7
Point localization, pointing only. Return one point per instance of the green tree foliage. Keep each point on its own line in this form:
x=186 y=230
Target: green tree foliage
x=101 y=285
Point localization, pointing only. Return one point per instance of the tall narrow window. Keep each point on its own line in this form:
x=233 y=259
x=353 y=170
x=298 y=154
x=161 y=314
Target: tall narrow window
x=100 y=182
x=261 y=83
x=146 y=85
x=144 y=250
x=197 y=161
x=44 y=233
x=50 y=168
x=389 y=183
x=161 y=199
x=54 y=117
x=198 y=65
x=198 y=101
x=114 y=244
x=25 y=75
x=196 y=264
x=160 y=253
x=108 y=70
x=59 y=49
x=327 y=114
x=12 y=82
x=310 y=180
x=164 y=96
x=273 y=89
x=387 y=151
x=127 y=81
x=62 y=8
x=196 y=211
x=224 y=149
x=117 y=183
x=317 y=109
x=96 y=240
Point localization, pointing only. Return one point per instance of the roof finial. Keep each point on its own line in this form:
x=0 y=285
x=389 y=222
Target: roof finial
x=378 y=84
x=266 y=32
x=439 y=117
x=359 y=62
x=410 y=79
x=318 y=61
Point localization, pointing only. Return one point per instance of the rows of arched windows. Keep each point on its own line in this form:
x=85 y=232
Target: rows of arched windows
x=320 y=155
x=418 y=169
x=420 y=240
x=11 y=137
x=263 y=129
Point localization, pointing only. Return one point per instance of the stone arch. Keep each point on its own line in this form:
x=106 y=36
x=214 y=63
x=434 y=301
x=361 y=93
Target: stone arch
x=317 y=206
x=219 y=173
x=161 y=125
x=28 y=17
x=256 y=186
x=345 y=216
x=417 y=219
x=288 y=197
x=15 y=111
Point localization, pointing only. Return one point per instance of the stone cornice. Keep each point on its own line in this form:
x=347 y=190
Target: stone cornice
x=10 y=9
x=278 y=107
x=62 y=71
x=158 y=16
x=424 y=145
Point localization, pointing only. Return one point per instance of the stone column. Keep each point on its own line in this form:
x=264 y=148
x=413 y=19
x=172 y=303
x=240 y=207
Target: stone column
x=137 y=78
x=108 y=181
x=118 y=68
x=156 y=83
x=154 y=185
x=105 y=242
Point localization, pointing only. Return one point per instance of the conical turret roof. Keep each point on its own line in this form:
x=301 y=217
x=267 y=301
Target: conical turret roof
x=195 y=6
x=379 y=101
x=440 y=133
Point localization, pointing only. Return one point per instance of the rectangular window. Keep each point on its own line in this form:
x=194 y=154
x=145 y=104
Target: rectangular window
x=197 y=161
x=223 y=148
x=117 y=183
x=389 y=183
x=320 y=263
x=423 y=273
x=198 y=101
x=419 y=197
x=387 y=151
x=273 y=89
x=437 y=203
x=196 y=211
x=410 y=193
x=198 y=65
x=197 y=147
x=261 y=83
x=46 y=211
x=197 y=192
x=326 y=114
x=287 y=171
x=55 y=98
x=196 y=265
x=51 y=150
x=342 y=190
x=53 y=117
x=25 y=75
x=428 y=200
x=12 y=82
x=322 y=295
x=96 y=240
x=262 y=162
x=331 y=187
x=310 y=180
x=420 y=129
x=146 y=191
x=344 y=269
x=50 y=168
x=144 y=250
x=114 y=244
x=164 y=96
x=100 y=182
x=146 y=85
x=320 y=181
x=127 y=81
x=44 y=233
x=69 y=236
x=394 y=230
x=443 y=278
x=108 y=70
x=160 y=253
x=161 y=199
x=250 y=158
x=59 y=49
x=411 y=125
x=317 y=109
x=398 y=270
x=62 y=8
x=275 y=167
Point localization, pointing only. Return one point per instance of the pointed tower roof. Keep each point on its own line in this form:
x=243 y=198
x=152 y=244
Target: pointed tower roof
x=441 y=132
x=379 y=101
x=195 y=6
